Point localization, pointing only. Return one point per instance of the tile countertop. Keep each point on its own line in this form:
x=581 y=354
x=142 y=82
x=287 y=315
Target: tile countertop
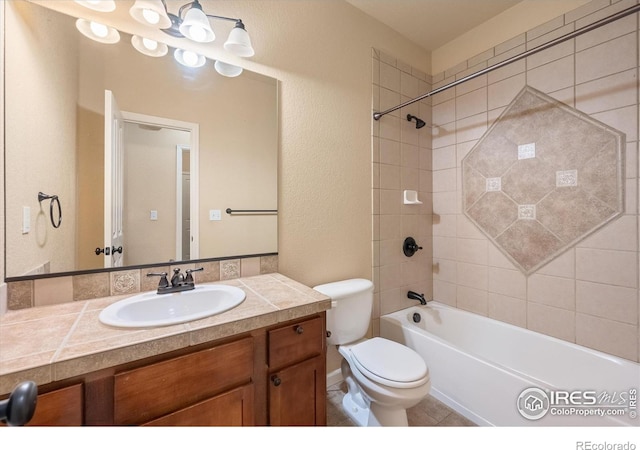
x=52 y=343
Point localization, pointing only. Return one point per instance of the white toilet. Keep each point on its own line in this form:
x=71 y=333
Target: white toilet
x=383 y=377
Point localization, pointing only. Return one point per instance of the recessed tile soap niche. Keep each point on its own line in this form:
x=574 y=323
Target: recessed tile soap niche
x=542 y=178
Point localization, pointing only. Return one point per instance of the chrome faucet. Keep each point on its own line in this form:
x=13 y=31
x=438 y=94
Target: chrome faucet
x=415 y=296
x=179 y=282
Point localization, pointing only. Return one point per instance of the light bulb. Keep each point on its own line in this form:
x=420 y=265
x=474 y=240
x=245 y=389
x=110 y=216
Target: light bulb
x=151 y=16
x=190 y=58
x=150 y=44
x=197 y=33
x=99 y=29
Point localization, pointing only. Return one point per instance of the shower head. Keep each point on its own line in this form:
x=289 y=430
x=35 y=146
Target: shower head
x=419 y=122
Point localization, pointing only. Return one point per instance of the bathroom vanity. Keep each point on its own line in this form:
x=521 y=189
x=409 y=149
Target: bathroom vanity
x=262 y=363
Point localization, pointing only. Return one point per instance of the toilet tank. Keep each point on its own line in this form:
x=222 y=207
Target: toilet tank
x=350 y=314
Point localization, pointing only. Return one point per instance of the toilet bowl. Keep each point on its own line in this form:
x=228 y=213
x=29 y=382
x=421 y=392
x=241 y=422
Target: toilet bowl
x=383 y=377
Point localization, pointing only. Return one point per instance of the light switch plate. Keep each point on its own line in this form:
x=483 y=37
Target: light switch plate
x=215 y=214
x=153 y=215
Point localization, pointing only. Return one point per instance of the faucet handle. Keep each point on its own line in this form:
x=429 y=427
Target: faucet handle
x=189 y=277
x=163 y=283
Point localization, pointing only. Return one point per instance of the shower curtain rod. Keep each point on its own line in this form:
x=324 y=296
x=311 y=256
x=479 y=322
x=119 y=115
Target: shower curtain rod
x=539 y=48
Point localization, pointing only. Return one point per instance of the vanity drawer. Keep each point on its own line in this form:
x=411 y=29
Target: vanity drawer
x=296 y=342
x=148 y=392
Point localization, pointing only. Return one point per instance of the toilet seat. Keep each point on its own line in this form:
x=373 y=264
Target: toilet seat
x=389 y=363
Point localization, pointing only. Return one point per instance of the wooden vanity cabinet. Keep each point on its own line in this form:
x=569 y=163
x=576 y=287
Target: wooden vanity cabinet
x=297 y=373
x=269 y=376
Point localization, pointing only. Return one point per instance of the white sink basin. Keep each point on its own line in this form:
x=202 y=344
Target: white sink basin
x=153 y=310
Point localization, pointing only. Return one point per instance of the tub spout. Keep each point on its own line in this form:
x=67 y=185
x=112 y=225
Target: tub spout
x=415 y=296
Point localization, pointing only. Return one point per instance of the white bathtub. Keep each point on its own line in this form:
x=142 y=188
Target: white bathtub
x=480 y=367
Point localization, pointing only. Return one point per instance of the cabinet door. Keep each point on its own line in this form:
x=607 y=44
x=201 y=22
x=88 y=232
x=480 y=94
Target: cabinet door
x=297 y=394
x=233 y=408
x=62 y=407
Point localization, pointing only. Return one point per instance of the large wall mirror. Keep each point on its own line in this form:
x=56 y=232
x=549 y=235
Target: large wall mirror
x=194 y=143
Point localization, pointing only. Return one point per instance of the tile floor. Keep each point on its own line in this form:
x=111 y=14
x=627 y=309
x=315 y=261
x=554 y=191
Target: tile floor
x=428 y=413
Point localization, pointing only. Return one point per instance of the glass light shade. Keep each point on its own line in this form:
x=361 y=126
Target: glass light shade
x=188 y=58
x=195 y=26
x=149 y=47
x=227 y=70
x=98 y=32
x=150 y=12
x=98 y=5
x=239 y=42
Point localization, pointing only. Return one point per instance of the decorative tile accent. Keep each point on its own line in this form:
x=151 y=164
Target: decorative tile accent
x=526 y=212
x=565 y=178
x=494 y=184
x=540 y=210
x=125 y=282
x=527 y=151
x=230 y=269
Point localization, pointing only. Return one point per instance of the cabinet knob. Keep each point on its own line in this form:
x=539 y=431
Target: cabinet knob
x=275 y=380
x=299 y=329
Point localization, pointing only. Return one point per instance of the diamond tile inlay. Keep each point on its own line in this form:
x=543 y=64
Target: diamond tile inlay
x=542 y=178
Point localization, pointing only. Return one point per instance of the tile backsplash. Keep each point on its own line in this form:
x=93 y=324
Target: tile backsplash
x=63 y=289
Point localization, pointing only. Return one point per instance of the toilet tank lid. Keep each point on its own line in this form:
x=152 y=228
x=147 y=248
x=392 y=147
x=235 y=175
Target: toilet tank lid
x=340 y=289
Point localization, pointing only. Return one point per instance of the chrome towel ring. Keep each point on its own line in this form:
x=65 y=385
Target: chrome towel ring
x=54 y=199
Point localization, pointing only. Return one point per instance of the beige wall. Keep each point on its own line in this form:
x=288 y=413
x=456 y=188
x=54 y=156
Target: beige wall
x=51 y=86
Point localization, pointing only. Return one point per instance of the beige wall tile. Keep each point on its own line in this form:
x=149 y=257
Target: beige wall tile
x=504 y=91
x=607 y=266
x=623 y=119
x=444 y=112
x=388 y=99
x=249 y=267
x=507 y=309
x=391 y=252
x=553 y=76
x=607 y=301
x=473 y=300
x=390 y=226
x=444 y=247
x=52 y=291
x=471 y=128
x=610 y=57
x=552 y=291
x=390 y=277
x=563 y=265
x=390 y=152
x=604 y=94
x=507 y=282
x=444 y=292
x=444 y=225
x=472 y=103
x=472 y=275
x=552 y=321
x=390 y=201
x=472 y=250
x=390 y=128
x=444 y=180
x=389 y=77
x=444 y=158
x=619 y=234
x=389 y=177
x=608 y=336
x=445 y=270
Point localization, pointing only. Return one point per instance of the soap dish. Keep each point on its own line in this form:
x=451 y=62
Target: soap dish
x=411 y=198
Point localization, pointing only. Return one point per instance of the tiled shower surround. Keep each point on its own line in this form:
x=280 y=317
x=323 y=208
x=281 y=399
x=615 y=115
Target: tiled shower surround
x=582 y=289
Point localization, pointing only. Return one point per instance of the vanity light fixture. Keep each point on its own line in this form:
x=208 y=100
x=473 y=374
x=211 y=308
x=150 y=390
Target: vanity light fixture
x=98 y=5
x=98 y=31
x=151 y=12
x=226 y=69
x=188 y=58
x=191 y=22
x=149 y=47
